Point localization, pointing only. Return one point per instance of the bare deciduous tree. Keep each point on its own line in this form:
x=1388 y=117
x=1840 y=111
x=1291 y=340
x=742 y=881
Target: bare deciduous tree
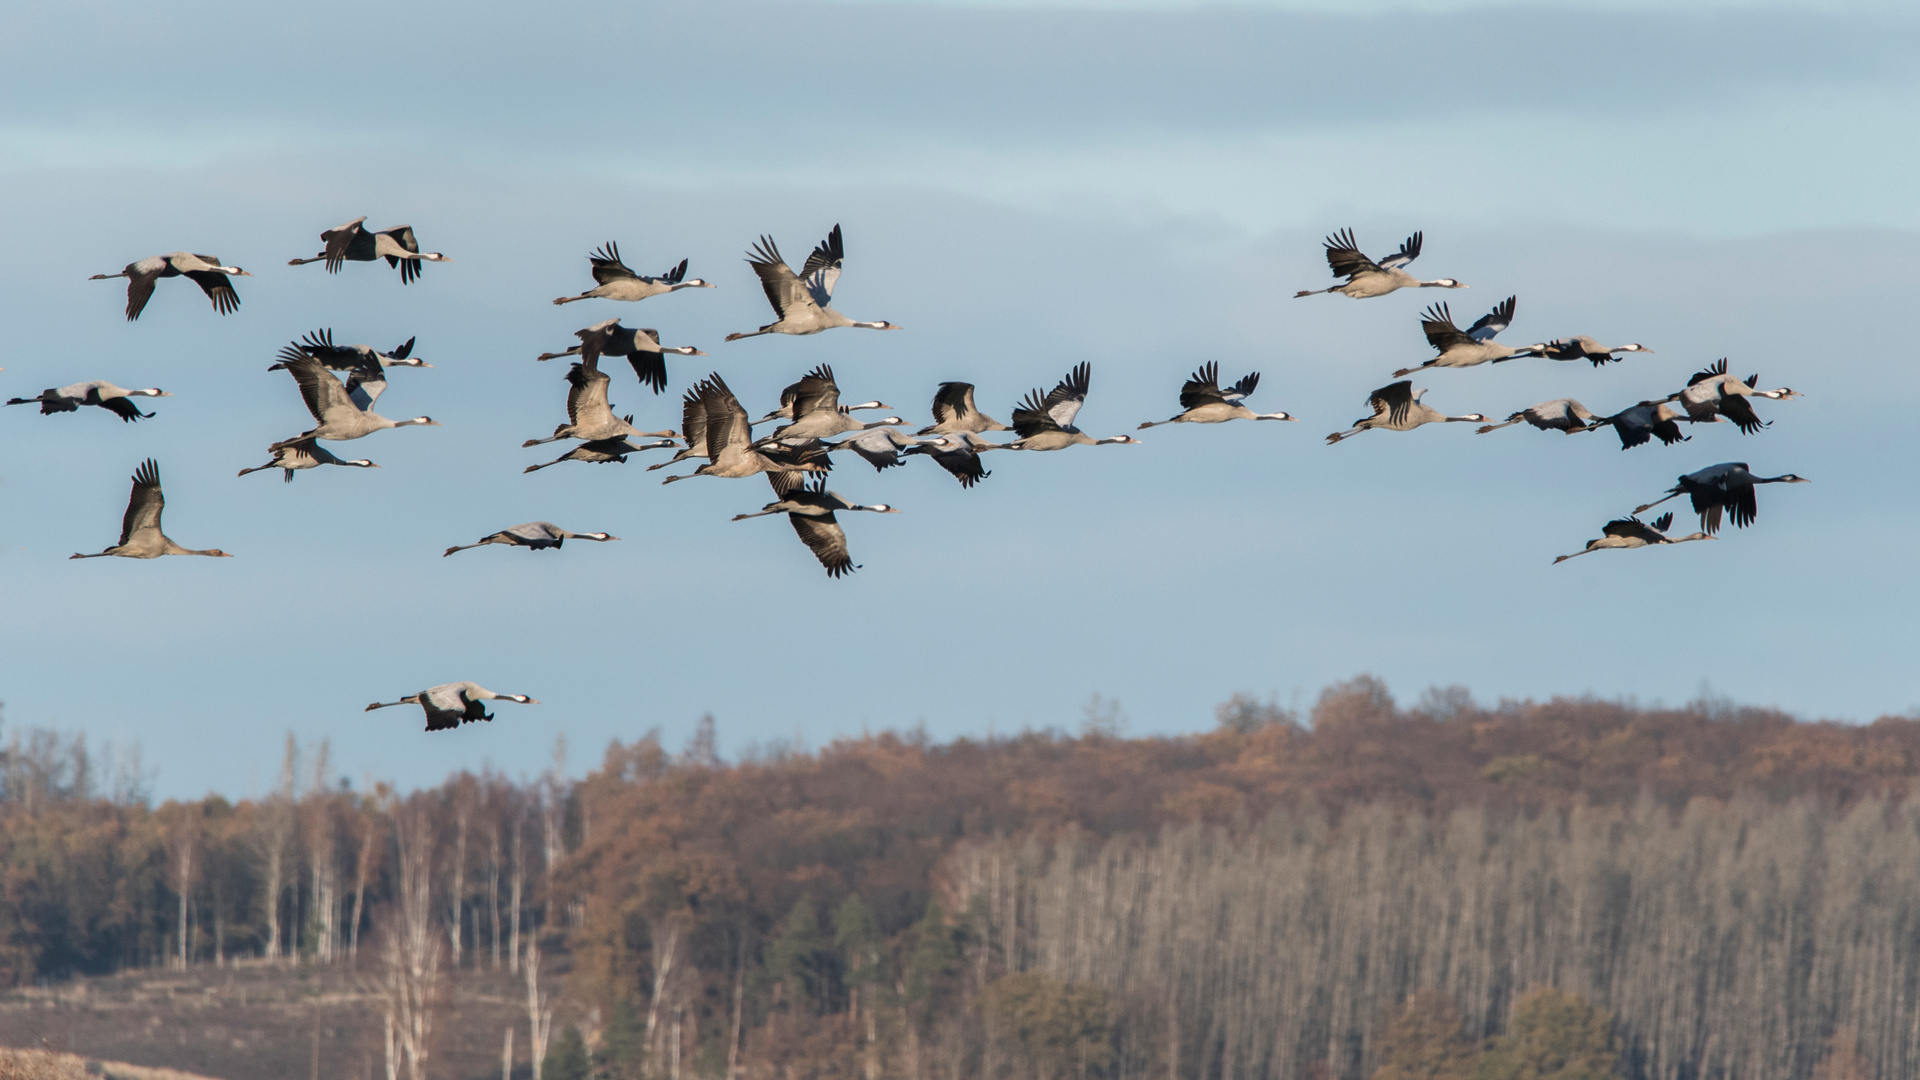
x=410 y=943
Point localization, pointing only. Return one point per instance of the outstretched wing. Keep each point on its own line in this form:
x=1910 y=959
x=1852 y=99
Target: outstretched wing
x=693 y=421
x=952 y=401
x=651 y=367
x=1664 y=522
x=828 y=542
x=594 y=339
x=1344 y=256
x=726 y=420
x=338 y=240
x=139 y=291
x=318 y=388
x=1409 y=251
x=403 y=235
x=1633 y=528
x=815 y=392
x=676 y=275
x=1493 y=321
x=607 y=266
x=1437 y=323
x=319 y=345
x=783 y=289
x=822 y=269
x=1738 y=409
x=587 y=395
x=144 y=504
x=217 y=286
x=1243 y=389
x=1064 y=400
x=366 y=384
x=1715 y=369
x=1203 y=388
x=1392 y=401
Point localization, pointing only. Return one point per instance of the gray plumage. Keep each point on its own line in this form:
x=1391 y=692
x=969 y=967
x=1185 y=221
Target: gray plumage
x=206 y=271
x=354 y=242
x=339 y=416
x=616 y=281
x=1560 y=414
x=880 y=446
x=814 y=392
x=802 y=300
x=641 y=347
x=1631 y=532
x=1645 y=421
x=1204 y=402
x=954 y=411
x=1397 y=407
x=451 y=704
x=1728 y=486
x=958 y=452
x=589 y=414
x=1582 y=347
x=1367 y=277
x=1474 y=345
x=693 y=430
x=96 y=392
x=601 y=452
x=811 y=507
x=319 y=345
x=1712 y=394
x=140 y=535
x=533 y=535
x=305 y=454
x=1046 y=423
x=731 y=453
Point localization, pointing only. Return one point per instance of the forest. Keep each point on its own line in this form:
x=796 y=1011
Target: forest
x=1572 y=889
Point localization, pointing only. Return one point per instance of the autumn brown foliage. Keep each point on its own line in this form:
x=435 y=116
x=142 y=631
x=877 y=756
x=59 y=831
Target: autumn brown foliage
x=808 y=913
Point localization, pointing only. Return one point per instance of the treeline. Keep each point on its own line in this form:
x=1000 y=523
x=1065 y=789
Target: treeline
x=1257 y=901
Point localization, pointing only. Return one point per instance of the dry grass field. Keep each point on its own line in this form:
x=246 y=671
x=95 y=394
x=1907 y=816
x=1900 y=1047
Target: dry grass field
x=247 y=1022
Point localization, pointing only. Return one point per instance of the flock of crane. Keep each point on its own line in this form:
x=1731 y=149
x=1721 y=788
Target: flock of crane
x=796 y=454
x=1711 y=396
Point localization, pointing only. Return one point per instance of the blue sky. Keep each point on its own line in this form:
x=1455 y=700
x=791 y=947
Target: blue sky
x=1023 y=187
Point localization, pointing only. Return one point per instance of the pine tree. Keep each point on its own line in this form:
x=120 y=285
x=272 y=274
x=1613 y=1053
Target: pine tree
x=936 y=957
x=567 y=1058
x=623 y=1046
x=857 y=935
x=798 y=957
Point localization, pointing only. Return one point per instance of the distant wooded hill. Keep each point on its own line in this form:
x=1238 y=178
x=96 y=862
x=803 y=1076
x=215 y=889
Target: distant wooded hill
x=1728 y=893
